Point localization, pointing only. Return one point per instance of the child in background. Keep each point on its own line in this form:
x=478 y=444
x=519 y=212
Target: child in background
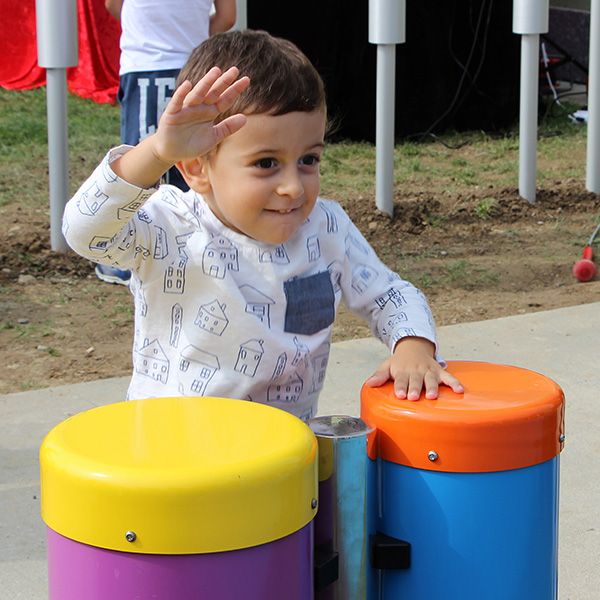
x=156 y=39
x=237 y=281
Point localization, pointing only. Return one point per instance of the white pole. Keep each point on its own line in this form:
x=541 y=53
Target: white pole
x=593 y=121
x=387 y=27
x=385 y=128
x=241 y=18
x=528 y=118
x=58 y=153
x=530 y=18
x=56 y=24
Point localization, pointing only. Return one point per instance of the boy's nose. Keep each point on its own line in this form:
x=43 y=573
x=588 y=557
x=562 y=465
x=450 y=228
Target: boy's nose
x=290 y=184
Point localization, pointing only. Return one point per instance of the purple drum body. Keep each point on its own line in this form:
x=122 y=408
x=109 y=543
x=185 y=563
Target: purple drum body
x=184 y=498
x=277 y=570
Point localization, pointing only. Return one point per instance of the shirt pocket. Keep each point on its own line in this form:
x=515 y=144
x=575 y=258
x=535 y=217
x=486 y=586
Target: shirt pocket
x=310 y=303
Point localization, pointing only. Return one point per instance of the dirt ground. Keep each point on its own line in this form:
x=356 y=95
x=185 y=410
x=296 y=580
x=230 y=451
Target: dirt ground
x=474 y=259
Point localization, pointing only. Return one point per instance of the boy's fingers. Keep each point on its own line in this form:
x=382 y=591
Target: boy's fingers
x=227 y=98
x=401 y=385
x=221 y=95
x=415 y=385
x=431 y=384
x=228 y=126
x=199 y=92
x=380 y=376
x=454 y=384
x=410 y=386
x=176 y=102
x=220 y=85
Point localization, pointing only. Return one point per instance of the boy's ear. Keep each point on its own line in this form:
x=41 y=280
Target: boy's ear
x=195 y=173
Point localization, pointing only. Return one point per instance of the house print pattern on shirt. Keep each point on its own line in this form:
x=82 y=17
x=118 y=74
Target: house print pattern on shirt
x=220 y=314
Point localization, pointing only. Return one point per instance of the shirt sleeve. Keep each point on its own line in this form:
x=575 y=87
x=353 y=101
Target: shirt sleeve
x=393 y=307
x=103 y=221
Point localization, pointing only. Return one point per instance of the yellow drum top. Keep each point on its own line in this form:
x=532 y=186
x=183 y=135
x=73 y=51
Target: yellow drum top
x=184 y=475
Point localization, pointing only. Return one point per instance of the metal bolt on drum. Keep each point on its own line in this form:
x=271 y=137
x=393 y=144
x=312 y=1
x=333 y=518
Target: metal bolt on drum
x=432 y=455
x=130 y=536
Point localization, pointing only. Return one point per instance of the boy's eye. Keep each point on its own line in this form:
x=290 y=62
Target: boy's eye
x=310 y=160
x=265 y=163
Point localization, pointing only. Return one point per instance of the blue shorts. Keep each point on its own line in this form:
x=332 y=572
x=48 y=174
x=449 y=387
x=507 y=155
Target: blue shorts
x=143 y=97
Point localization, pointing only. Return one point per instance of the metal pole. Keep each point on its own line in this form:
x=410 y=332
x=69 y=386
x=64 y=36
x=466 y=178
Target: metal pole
x=241 y=20
x=528 y=119
x=387 y=27
x=530 y=19
x=341 y=523
x=385 y=128
x=56 y=25
x=58 y=153
x=593 y=122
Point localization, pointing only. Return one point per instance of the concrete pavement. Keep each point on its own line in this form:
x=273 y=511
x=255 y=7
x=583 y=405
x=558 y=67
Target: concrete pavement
x=562 y=344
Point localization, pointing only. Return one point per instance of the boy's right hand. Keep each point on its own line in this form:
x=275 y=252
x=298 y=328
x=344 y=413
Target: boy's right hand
x=186 y=128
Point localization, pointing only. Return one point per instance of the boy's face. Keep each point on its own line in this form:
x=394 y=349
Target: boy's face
x=263 y=180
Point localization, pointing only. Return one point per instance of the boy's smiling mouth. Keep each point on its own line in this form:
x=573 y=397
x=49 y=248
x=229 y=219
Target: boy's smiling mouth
x=282 y=211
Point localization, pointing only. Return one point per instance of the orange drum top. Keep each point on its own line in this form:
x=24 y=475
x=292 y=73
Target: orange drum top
x=507 y=418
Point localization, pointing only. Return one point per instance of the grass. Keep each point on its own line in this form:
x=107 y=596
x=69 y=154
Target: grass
x=92 y=129
x=459 y=160
x=463 y=274
x=484 y=207
x=454 y=161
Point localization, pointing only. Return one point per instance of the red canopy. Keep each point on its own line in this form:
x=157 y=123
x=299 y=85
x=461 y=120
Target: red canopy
x=97 y=74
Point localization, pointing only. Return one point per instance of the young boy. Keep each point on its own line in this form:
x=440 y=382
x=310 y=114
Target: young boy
x=237 y=282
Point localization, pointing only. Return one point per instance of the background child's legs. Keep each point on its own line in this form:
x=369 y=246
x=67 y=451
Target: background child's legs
x=143 y=97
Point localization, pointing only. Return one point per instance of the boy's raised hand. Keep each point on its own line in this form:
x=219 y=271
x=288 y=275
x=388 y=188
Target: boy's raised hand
x=186 y=128
x=412 y=367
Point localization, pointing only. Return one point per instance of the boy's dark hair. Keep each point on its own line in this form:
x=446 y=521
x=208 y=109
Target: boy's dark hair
x=282 y=79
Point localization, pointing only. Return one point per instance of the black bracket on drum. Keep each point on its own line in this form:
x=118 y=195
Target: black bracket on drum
x=388 y=552
x=326 y=568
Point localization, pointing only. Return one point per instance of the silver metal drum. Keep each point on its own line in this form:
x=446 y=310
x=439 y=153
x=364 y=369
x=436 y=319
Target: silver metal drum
x=341 y=522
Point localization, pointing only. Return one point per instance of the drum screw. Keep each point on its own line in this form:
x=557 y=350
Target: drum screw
x=561 y=438
x=314 y=503
x=130 y=536
x=432 y=455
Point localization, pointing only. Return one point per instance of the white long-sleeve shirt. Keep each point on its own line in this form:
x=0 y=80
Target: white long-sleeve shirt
x=220 y=314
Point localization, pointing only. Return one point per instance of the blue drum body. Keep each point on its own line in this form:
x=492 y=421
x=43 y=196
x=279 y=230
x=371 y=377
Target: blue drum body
x=473 y=536
x=463 y=491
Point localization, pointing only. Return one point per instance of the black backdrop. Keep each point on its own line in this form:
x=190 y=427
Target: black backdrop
x=459 y=67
